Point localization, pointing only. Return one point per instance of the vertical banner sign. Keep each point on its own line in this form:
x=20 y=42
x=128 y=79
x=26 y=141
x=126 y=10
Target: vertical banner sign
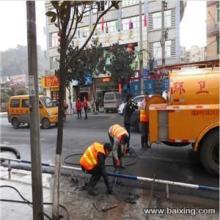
x=146 y=13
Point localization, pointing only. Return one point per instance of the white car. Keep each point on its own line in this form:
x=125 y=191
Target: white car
x=137 y=99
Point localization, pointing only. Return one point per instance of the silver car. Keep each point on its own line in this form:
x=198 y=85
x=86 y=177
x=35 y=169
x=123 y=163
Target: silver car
x=137 y=100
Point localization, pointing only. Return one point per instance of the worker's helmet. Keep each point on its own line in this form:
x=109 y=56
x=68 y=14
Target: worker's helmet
x=108 y=147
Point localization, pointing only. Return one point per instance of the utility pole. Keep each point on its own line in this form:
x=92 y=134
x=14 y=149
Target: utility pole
x=141 y=49
x=163 y=31
x=36 y=172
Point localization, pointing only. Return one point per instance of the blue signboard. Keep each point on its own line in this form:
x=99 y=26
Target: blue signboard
x=149 y=86
x=87 y=79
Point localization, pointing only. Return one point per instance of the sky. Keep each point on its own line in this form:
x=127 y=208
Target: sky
x=14 y=31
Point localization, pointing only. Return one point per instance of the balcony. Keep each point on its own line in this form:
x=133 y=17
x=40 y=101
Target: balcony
x=213 y=30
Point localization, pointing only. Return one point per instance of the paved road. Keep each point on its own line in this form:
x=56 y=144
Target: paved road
x=177 y=164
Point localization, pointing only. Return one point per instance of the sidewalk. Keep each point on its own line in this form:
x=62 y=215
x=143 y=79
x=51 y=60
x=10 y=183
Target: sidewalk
x=127 y=202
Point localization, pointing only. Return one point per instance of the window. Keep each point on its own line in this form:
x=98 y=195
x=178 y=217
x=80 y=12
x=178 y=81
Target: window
x=25 y=103
x=168 y=48
x=53 y=40
x=53 y=62
x=109 y=96
x=157 y=50
x=156 y=20
x=167 y=18
x=129 y=2
x=130 y=23
x=218 y=11
x=15 y=103
x=47 y=101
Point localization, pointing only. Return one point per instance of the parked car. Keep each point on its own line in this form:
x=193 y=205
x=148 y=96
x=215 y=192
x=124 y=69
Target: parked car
x=137 y=100
x=112 y=100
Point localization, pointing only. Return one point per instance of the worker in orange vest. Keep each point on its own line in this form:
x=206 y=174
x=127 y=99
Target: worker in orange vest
x=93 y=162
x=119 y=139
x=144 y=121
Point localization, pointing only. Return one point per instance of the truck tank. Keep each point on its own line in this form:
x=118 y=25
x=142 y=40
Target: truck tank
x=194 y=86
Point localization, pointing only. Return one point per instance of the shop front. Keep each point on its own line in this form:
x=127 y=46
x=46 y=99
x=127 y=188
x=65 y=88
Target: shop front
x=50 y=85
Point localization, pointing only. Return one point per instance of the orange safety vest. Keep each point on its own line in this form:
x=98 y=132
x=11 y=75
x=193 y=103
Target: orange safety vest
x=117 y=131
x=90 y=157
x=143 y=113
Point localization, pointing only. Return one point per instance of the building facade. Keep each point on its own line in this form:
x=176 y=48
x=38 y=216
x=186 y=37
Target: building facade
x=213 y=22
x=123 y=26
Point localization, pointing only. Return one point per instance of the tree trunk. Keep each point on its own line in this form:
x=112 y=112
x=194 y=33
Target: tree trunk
x=94 y=94
x=56 y=187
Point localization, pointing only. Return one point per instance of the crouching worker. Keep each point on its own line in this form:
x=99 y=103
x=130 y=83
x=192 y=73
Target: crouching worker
x=119 y=139
x=93 y=162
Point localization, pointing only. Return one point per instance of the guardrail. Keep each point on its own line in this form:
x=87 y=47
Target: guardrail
x=125 y=176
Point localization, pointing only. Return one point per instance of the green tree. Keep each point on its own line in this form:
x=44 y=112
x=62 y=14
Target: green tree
x=89 y=61
x=66 y=16
x=120 y=61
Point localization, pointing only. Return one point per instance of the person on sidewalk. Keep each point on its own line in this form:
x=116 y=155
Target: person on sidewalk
x=78 y=108
x=144 y=121
x=119 y=138
x=127 y=112
x=85 y=106
x=93 y=162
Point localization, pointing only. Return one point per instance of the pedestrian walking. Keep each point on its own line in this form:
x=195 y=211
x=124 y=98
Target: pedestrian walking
x=118 y=137
x=78 y=108
x=93 y=162
x=144 y=121
x=85 y=106
x=129 y=108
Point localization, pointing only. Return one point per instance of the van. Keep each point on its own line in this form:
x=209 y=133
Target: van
x=19 y=113
x=112 y=100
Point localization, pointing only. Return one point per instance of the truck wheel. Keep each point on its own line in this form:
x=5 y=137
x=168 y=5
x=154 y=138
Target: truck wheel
x=209 y=154
x=45 y=123
x=15 y=123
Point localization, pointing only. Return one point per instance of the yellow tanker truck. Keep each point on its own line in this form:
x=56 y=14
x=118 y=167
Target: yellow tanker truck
x=190 y=114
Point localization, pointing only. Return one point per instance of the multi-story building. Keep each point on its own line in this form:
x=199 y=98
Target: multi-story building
x=197 y=54
x=123 y=26
x=213 y=21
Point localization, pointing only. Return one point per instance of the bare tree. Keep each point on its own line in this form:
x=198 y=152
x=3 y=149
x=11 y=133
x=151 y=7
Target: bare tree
x=66 y=16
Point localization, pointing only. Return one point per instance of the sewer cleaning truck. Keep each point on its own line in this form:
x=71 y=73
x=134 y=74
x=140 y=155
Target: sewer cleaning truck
x=190 y=115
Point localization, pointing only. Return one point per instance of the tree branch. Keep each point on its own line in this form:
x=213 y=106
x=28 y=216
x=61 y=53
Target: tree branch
x=76 y=25
x=91 y=34
x=71 y=25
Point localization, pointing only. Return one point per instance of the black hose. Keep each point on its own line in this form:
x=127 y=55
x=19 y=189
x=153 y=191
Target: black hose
x=134 y=161
x=12 y=150
x=26 y=201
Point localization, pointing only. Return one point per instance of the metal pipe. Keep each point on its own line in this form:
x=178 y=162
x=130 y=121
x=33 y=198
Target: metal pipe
x=131 y=177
